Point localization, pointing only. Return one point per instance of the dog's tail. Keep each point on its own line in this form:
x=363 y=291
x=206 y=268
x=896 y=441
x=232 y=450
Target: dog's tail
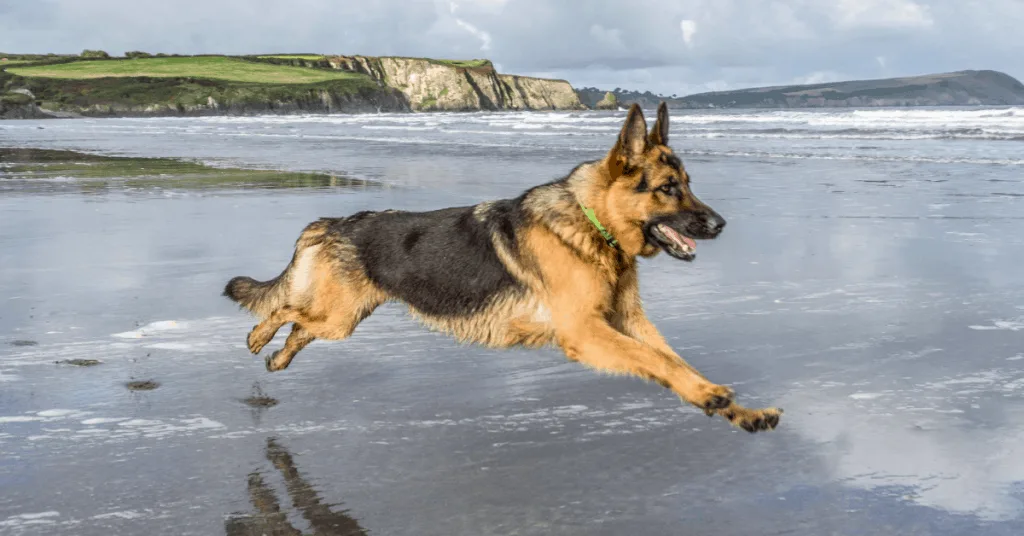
x=265 y=297
x=260 y=297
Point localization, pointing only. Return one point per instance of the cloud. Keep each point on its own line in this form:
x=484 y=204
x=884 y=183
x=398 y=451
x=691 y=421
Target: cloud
x=608 y=36
x=819 y=77
x=484 y=37
x=689 y=28
x=882 y=14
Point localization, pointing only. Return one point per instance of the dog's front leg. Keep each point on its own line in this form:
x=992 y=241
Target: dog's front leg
x=580 y=299
x=594 y=342
x=631 y=320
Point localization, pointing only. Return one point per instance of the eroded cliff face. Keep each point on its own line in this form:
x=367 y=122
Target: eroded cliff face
x=389 y=84
x=19 y=104
x=541 y=93
x=432 y=85
x=37 y=97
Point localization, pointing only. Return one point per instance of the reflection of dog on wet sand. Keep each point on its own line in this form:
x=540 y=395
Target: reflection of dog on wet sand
x=271 y=521
x=556 y=265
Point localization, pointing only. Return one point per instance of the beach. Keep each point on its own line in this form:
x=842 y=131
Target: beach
x=868 y=282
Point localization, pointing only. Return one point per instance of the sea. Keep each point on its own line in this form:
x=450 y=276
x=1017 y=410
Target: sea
x=869 y=282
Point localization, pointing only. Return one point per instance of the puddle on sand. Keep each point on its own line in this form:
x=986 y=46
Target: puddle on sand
x=60 y=170
x=260 y=402
x=80 y=362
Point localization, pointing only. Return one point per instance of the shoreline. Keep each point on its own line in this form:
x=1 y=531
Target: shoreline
x=256 y=112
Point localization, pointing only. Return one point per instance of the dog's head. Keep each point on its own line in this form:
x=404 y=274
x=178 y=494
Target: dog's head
x=650 y=190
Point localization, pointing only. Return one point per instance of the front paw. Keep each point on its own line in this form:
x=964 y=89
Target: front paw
x=752 y=420
x=713 y=398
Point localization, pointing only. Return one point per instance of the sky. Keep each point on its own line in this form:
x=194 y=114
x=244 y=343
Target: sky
x=668 y=46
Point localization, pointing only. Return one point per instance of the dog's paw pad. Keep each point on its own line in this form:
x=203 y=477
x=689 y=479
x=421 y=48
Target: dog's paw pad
x=754 y=420
x=271 y=362
x=716 y=397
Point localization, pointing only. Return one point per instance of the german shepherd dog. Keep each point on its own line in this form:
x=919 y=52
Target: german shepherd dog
x=556 y=265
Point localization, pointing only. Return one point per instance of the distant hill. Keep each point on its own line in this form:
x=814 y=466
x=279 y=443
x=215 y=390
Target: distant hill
x=590 y=96
x=961 y=88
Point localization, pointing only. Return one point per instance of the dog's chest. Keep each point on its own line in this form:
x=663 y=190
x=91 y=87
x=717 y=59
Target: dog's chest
x=541 y=314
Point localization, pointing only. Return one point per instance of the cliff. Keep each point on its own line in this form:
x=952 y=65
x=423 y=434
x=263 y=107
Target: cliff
x=147 y=85
x=437 y=85
x=19 y=104
x=609 y=102
x=182 y=85
x=962 y=88
x=38 y=98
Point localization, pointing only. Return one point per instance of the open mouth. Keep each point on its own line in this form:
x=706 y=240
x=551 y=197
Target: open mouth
x=673 y=242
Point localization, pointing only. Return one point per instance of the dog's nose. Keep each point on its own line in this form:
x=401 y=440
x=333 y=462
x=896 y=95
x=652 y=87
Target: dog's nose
x=715 y=223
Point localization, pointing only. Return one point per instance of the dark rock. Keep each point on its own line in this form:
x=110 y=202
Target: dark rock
x=142 y=385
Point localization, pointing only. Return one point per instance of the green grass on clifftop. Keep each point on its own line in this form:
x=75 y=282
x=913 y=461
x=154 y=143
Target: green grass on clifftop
x=468 y=64
x=306 y=57
x=465 y=64
x=208 y=67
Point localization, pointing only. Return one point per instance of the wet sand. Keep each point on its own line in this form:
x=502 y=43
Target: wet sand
x=888 y=326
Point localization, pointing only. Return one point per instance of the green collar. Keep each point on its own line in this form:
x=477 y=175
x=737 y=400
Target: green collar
x=589 y=212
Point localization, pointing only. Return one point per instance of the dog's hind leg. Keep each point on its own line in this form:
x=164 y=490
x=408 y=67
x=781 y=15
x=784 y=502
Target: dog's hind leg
x=333 y=313
x=297 y=340
x=263 y=332
x=338 y=326
x=343 y=319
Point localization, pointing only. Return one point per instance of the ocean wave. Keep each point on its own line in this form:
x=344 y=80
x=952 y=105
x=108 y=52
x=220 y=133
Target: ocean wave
x=858 y=157
x=1001 y=121
x=855 y=134
x=869 y=157
x=1004 y=123
x=1010 y=118
x=928 y=113
x=415 y=128
x=989 y=136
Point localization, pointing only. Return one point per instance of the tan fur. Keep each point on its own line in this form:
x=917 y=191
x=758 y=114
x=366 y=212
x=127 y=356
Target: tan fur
x=576 y=290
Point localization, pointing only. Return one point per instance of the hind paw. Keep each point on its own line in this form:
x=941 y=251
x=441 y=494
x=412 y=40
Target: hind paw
x=753 y=420
x=255 y=342
x=274 y=364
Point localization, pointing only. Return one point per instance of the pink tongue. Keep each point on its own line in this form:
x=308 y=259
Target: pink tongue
x=678 y=237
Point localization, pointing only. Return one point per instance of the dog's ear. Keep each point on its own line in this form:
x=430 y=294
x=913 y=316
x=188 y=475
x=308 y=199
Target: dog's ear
x=659 y=134
x=633 y=138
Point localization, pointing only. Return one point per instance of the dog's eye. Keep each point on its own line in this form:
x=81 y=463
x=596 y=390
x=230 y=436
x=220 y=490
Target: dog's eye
x=666 y=188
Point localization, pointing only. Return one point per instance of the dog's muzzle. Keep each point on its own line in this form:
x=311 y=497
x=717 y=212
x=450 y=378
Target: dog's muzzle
x=677 y=234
